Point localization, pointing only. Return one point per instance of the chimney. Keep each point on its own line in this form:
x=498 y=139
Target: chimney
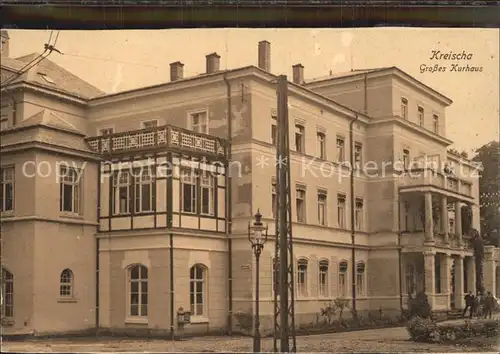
x=298 y=74
x=213 y=61
x=4 y=48
x=265 y=55
x=176 y=71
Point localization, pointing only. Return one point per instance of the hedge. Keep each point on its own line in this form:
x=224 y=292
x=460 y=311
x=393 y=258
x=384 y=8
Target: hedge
x=426 y=330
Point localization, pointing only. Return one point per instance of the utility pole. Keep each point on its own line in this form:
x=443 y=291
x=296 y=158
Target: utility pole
x=284 y=306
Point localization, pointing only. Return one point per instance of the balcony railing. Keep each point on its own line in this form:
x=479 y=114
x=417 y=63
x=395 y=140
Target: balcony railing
x=165 y=136
x=429 y=177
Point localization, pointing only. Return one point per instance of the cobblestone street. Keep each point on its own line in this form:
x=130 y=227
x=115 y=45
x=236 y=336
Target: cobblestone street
x=377 y=340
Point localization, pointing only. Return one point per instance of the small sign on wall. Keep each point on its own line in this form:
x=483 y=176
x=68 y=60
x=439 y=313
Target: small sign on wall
x=246 y=266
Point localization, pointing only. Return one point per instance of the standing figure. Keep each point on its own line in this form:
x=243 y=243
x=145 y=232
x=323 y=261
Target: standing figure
x=489 y=303
x=469 y=304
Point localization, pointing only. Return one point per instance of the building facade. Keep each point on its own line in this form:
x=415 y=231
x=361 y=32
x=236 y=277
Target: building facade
x=121 y=210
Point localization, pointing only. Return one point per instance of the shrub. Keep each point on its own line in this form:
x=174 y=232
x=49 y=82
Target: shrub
x=245 y=321
x=421 y=329
x=419 y=306
x=425 y=330
x=329 y=312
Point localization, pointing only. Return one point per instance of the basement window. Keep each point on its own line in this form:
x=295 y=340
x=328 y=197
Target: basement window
x=48 y=79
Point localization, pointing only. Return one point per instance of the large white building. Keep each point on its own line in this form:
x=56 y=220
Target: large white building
x=120 y=209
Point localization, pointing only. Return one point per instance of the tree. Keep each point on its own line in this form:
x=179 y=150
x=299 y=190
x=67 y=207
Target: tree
x=489 y=191
x=478 y=245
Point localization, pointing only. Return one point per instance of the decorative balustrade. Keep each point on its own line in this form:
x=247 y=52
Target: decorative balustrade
x=164 y=136
x=430 y=177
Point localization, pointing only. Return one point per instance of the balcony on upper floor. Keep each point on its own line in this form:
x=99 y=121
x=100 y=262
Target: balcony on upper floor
x=427 y=174
x=167 y=138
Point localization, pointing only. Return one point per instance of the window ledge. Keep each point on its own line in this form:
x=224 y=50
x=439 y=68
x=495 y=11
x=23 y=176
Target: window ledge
x=199 y=319
x=67 y=300
x=69 y=215
x=136 y=320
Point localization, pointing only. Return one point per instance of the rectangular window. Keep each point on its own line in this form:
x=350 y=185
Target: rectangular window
x=106 y=131
x=69 y=192
x=300 y=205
x=302 y=278
x=122 y=192
x=299 y=138
x=321 y=142
x=358 y=155
x=359 y=215
x=5 y=111
x=421 y=116
x=340 y=150
x=452 y=226
x=199 y=122
x=341 y=211
x=343 y=279
x=144 y=191
x=274 y=199
x=7 y=189
x=404 y=108
x=437 y=275
x=360 y=278
x=207 y=192
x=7 y=294
x=406 y=215
x=406 y=159
x=188 y=181
x=274 y=130
x=436 y=123
x=323 y=279
x=322 y=208
x=149 y=124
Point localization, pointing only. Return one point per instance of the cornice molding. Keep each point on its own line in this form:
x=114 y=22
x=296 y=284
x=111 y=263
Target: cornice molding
x=413 y=127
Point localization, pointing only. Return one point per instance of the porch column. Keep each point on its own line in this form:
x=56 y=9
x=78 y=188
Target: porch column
x=471 y=273
x=458 y=222
x=429 y=227
x=429 y=276
x=459 y=282
x=489 y=267
x=446 y=277
x=444 y=218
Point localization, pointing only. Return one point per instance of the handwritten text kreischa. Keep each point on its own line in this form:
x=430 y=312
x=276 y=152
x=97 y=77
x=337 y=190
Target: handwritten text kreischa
x=461 y=62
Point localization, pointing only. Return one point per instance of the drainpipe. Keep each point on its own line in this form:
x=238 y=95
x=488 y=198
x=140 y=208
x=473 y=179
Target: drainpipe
x=98 y=228
x=353 y=200
x=171 y=250
x=228 y=208
x=400 y=257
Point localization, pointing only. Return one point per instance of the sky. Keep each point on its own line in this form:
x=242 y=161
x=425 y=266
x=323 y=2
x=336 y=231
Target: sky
x=119 y=60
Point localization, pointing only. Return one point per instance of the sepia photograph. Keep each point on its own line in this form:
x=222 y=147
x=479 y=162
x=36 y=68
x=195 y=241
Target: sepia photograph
x=250 y=190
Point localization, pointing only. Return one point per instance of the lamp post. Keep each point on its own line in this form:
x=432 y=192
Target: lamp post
x=257 y=234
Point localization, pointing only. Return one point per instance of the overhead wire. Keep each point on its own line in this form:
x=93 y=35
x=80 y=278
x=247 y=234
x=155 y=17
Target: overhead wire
x=49 y=48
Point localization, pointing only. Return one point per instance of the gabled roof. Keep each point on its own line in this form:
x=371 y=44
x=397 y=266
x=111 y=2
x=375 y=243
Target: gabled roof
x=50 y=119
x=52 y=76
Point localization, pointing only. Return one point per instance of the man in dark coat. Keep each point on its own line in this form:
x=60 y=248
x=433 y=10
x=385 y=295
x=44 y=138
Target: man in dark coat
x=489 y=304
x=469 y=303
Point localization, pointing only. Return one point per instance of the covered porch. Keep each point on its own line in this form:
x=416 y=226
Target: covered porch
x=444 y=277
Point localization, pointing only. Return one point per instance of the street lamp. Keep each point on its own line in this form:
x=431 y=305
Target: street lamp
x=257 y=234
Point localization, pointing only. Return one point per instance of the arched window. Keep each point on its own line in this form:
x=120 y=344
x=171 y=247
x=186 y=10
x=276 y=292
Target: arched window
x=410 y=278
x=7 y=293
x=66 y=283
x=302 y=277
x=360 y=278
x=138 y=290
x=323 y=278
x=343 y=278
x=198 y=290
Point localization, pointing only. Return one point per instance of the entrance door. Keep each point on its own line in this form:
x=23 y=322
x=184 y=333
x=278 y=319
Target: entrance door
x=452 y=285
